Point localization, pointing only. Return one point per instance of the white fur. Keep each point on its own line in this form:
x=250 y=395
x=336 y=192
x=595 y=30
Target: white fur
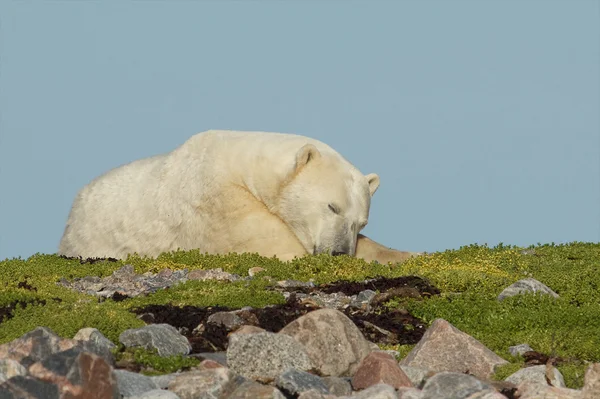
x=224 y=191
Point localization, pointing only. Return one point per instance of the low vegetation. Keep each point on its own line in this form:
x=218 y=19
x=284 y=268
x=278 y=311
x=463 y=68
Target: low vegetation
x=469 y=278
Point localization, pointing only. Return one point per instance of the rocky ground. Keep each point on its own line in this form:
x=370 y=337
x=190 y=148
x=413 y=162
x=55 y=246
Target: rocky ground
x=322 y=343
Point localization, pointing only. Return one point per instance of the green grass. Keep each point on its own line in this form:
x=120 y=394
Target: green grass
x=470 y=279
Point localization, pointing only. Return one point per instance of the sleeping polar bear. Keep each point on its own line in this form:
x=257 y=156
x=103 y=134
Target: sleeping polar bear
x=274 y=194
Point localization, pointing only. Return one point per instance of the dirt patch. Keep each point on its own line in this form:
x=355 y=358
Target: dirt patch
x=377 y=323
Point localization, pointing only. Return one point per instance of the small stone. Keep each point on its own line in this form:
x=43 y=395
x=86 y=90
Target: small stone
x=134 y=384
x=294 y=382
x=453 y=385
x=333 y=342
x=10 y=368
x=537 y=374
x=162 y=337
x=519 y=349
x=205 y=384
x=338 y=386
x=379 y=391
x=254 y=390
x=526 y=285
x=219 y=357
x=94 y=341
x=253 y=271
x=212 y=274
x=263 y=356
x=379 y=367
x=229 y=320
x=295 y=284
x=209 y=364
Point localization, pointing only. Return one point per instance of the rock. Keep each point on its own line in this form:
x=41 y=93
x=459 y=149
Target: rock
x=26 y=387
x=155 y=394
x=379 y=391
x=219 y=357
x=163 y=381
x=35 y=346
x=519 y=349
x=229 y=320
x=591 y=386
x=209 y=364
x=453 y=385
x=335 y=345
x=363 y=299
x=526 y=285
x=312 y=394
x=253 y=271
x=487 y=395
x=409 y=393
x=212 y=274
x=535 y=390
x=338 y=386
x=94 y=341
x=205 y=384
x=134 y=384
x=443 y=347
x=263 y=356
x=293 y=382
x=247 y=329
x=10 y=368
x=77 y=374
x=537 y=374
x=162 y=337
x=379 y=367
x=254 y=390
x=417 y=375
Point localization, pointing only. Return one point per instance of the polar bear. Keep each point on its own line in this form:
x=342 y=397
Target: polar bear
x=274 y=194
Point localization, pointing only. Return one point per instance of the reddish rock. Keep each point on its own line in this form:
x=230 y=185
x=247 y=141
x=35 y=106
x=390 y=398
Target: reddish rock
x=77 y=374
x=379 y=367
x=209 y=364
x=446 y=348
x=248 y=329
x=35 y=346
x=535 y=390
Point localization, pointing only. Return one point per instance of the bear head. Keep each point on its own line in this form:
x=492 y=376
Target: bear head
x=325 y=201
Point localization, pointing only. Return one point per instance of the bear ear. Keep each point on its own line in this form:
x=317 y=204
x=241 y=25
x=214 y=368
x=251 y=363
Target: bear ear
x=373 y=181
x=306 y=154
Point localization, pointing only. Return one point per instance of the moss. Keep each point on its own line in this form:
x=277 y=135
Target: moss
x=153 y=364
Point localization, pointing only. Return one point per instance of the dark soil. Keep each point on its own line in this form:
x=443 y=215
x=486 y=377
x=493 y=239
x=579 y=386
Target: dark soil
x=378 y=324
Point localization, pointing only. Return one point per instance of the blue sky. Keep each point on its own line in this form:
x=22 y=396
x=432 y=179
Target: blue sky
x=481 y=118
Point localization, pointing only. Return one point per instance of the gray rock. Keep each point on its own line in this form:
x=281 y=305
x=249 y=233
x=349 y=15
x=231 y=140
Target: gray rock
x=155 y=394
x=519 y=349
x=10 y=368
x=163 y=381
x=409 y=393
x=379 y=391
x=263 y=356
x=162 y=337
x=338 y=386
x=526 y=285
x=219 y=357
x=535 y=390
x=26 y=387
x=229 y=320
x=537 y=374
x=333 y=342
x=363 y=299
x=94 y=341
x=294 y=382
x=134 y=384
x=417 y=375
x=489 y=394
x=453 y=386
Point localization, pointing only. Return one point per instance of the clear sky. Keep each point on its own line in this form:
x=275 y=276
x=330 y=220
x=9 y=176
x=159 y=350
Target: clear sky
x=481 y=117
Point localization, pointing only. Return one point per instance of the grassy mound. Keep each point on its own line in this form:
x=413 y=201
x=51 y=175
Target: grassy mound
x=469 y=278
